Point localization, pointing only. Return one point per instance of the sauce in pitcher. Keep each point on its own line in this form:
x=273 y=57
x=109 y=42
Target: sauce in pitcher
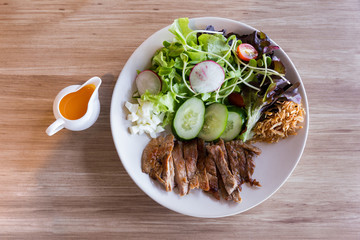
x=74 y=105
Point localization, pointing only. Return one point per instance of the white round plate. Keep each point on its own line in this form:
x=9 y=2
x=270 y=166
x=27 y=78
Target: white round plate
x=273 y=166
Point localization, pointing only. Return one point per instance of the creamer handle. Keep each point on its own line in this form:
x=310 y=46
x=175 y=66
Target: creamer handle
x=55 y=127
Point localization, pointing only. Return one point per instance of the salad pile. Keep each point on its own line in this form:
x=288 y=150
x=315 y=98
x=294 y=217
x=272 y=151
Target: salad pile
x=210 y=84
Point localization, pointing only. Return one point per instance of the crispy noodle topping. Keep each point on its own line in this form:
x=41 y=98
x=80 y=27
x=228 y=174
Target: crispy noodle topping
x=280 y=122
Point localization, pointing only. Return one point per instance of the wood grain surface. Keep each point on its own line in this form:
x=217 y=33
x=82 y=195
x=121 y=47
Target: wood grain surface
x=73 y=185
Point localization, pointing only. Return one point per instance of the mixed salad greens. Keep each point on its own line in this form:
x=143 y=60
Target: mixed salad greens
x=239 y=72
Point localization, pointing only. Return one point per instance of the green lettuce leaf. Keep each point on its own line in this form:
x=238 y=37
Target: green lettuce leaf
x=175 y=49
x=215 y=44
x=159 y=58
x=162 y=102
x=197 y=57
x=180 y=28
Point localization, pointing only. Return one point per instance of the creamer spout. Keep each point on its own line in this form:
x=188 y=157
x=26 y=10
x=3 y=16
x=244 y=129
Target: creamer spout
x=94 y=80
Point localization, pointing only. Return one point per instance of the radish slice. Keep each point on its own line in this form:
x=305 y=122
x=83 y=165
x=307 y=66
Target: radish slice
x=148 y=80
x=206 y=76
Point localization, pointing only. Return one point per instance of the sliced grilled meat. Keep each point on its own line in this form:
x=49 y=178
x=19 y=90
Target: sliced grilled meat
x=225 y=194
x=191 y=158
x=223 y=191
x=168 y=173
x=212 y=174
x=234 y=161
x=235 y=195
x=237 y=157
x=247 y=146
x=243 y=159
x=219 y=168
x=180 y=169
x=218 y=157
x=250 y=166
x=201 y=166
x=157 y=160
x=150 y=154
x=221 y=144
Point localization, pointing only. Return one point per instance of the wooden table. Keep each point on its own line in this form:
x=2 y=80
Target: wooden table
x=73 y=184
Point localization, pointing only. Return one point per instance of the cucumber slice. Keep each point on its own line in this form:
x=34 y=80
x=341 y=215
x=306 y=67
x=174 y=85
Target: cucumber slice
x=216 y=116
x=240 y=111
x=189 y=119
x=233 y=126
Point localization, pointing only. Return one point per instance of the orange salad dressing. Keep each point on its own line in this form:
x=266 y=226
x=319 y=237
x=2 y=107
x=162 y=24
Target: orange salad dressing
x=74 y=105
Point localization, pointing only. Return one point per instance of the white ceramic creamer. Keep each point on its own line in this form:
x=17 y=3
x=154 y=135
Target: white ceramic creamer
x=76 y=107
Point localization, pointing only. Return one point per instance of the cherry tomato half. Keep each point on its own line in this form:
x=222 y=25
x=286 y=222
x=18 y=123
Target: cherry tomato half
x=246 y=52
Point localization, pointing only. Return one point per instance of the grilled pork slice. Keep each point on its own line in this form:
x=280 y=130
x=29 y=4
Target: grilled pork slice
x=235 y=161
x=223 y=191
x=212 y=175
x=247 y=146
x=218 y=156
x=238 y=158
x=168 y=174
x=201 y=166
x=235 y=195
x=221 y=144
x=157 y=160
x=150 y=154
x=244 y=160
x=180 y=169
x=250 y=166
x=191 y=158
